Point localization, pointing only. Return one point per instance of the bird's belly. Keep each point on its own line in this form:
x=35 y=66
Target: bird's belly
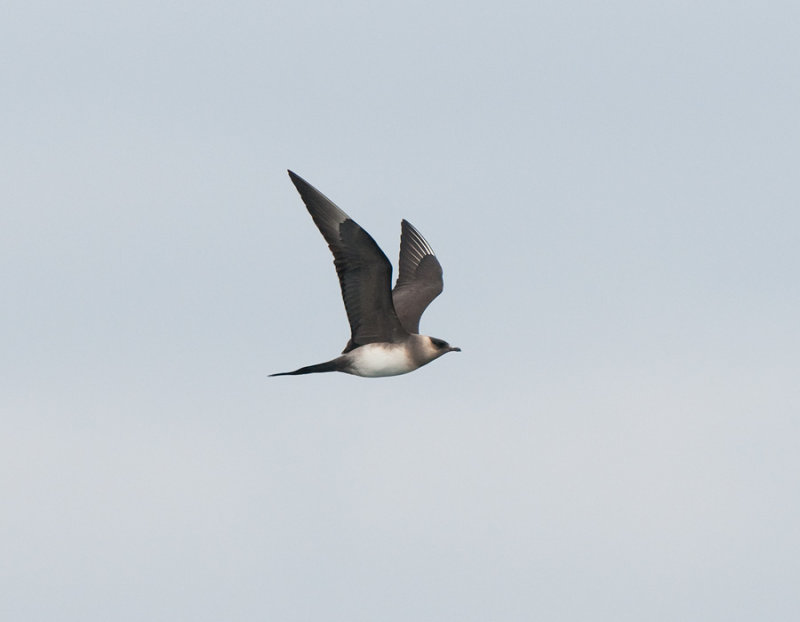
x=374 y=360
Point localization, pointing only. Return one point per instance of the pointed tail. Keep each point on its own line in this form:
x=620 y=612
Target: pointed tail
x=312 y=369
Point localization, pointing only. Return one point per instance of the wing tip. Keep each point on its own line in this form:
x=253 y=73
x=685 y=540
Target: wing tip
x=411 y=238
x=296 y=179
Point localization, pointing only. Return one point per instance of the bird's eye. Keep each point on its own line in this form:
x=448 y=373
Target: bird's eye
x=438 y=343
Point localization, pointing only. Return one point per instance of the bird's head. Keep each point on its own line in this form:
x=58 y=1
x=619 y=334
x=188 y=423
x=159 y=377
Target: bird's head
x=440 y=346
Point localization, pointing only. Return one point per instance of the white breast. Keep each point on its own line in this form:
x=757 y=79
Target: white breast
x=378 y=359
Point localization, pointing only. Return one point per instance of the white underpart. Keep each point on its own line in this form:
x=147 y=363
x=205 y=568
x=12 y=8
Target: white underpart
x=376 y=359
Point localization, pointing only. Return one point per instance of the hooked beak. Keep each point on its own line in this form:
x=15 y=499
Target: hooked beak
x=454 y=349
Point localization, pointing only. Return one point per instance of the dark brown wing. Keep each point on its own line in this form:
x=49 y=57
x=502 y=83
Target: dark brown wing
x=365 y=274
x=419 y=280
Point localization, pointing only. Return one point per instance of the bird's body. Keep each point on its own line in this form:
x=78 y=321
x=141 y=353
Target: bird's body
x=375 y=360
x=384 y=323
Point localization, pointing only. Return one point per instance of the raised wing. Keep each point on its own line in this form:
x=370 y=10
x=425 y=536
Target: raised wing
x=419 y=280
x=365 y=274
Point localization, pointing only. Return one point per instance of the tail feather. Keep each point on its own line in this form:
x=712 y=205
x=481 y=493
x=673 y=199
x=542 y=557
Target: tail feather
x=312 y=369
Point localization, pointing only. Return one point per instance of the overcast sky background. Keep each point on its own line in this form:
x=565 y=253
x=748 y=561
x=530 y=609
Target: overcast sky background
x=612 y=189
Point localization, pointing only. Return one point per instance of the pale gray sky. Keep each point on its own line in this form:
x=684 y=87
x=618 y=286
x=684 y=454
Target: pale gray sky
x=612 y=191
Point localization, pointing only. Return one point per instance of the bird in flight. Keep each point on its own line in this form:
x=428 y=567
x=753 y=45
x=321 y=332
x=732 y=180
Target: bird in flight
x=384 y=322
